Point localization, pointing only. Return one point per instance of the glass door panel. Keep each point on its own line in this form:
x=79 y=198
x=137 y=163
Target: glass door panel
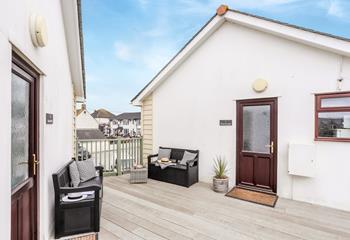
x=256 y=128
x=19 y=130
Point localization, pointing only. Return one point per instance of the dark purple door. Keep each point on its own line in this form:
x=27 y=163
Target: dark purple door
x=257 y=144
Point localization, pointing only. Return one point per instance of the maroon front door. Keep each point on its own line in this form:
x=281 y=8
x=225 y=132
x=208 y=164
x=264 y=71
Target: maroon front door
x=256 y=166
x=24 y=169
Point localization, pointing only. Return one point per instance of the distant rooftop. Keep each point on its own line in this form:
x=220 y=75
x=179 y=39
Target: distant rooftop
x=129 y=115
x=103 y=113
x=90 y=134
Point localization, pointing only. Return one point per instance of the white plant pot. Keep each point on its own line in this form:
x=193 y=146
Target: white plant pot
x=220 y=185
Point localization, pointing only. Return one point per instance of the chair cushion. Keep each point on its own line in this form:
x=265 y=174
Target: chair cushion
x=74 y=174
x=94 y=181
x=164 y=153
x=188 y=156
x=86 y=169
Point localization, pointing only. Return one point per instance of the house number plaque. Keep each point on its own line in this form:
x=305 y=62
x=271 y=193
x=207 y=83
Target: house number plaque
x=49 y=118
x=225 y=122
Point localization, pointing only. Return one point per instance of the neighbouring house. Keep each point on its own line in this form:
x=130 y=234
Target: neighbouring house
x=129 y=123
x=107 y=121
x=270 y=97
x=84 y=120
x=103 y=116
x=42 y=75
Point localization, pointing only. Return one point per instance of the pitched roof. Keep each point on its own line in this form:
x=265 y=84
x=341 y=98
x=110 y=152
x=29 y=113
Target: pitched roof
x=103 y=113
x=329 y=42
x=129 y=115
x=90 y=134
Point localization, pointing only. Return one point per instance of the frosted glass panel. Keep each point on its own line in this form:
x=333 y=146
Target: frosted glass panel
x=19 y=130
x=256 y=128
x=335 y=102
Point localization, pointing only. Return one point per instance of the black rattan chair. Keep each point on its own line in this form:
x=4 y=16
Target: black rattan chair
x=77 y=217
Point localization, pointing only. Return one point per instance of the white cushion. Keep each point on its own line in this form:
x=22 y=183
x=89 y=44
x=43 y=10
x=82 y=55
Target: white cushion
x=74 y=174
x=164 y=153
x=188 y=156
x=86 y=169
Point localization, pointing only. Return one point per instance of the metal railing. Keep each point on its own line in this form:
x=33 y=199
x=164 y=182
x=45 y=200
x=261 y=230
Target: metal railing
x=115 y=155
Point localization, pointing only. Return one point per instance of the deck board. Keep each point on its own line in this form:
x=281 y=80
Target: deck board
x=159 y=211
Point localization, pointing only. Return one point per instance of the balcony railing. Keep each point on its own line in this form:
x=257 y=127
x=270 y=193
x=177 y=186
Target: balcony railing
x=115 y=155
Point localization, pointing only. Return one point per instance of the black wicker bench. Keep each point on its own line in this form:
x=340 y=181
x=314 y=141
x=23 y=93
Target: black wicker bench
x=183 y=175
x=77 y=217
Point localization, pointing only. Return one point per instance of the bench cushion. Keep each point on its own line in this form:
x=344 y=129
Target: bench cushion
x=94 y=181
x=86 y=169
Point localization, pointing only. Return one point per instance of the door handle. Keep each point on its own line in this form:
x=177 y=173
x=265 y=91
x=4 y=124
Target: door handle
x=35 y=164
x=270 y=146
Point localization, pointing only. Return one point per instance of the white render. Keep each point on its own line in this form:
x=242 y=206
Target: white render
x=222 y=70
x=85 y=121
x=56 y=97
x=102 y=120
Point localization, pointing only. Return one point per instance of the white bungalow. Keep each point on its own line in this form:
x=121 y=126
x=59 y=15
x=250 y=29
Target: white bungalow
x=272 y=98
x=41 y=77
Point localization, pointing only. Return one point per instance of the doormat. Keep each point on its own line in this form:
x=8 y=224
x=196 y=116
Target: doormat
x=252 y=196
x=85 y=237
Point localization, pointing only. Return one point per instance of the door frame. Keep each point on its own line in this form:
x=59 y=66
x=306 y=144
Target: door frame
x=274 y=129
x=22 y=68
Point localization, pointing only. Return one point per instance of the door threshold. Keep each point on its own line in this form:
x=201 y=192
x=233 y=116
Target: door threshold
x=256 y=189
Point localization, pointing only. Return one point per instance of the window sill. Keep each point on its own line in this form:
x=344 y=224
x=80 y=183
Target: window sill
x=332 y=139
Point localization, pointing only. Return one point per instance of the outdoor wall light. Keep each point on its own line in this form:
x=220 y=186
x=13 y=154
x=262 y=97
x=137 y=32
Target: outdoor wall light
x=38 y=30
x=260 y=85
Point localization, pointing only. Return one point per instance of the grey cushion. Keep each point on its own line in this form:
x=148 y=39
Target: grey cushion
x=94 y=181
x=188 y=156
x=86 y=169
x=164 y=153
x=74 y=174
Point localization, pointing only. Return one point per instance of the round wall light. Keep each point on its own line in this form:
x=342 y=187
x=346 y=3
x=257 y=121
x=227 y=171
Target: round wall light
x=260 y=85
x=38 y=30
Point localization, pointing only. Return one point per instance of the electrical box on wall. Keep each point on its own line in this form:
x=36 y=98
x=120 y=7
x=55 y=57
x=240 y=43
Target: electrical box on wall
x=302 y=160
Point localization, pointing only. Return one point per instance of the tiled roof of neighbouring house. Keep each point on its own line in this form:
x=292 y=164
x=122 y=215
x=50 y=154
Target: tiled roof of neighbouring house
x=90 y=134
x=129 y=115
x=103 y=113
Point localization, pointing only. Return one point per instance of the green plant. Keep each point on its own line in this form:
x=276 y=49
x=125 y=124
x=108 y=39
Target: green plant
x=220 y=167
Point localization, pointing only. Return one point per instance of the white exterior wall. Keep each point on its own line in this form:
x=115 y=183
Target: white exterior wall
x=56 y=96
x=102 y=120
x=187 y=107
x=131 y=126
x=85 y=121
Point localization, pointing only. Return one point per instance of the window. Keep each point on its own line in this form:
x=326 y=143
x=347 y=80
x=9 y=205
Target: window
x=333 y=117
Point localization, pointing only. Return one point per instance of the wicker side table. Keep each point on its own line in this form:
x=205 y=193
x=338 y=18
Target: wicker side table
x=138 y=175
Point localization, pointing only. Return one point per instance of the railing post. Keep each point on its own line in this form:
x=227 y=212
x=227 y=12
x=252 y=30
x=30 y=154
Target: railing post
x=141 y=150
x=119 y=160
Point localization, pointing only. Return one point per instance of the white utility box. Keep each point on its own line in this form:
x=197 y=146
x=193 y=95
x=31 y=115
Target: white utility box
x=302 y=159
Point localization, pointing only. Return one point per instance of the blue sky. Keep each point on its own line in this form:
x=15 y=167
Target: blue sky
x=128 y=41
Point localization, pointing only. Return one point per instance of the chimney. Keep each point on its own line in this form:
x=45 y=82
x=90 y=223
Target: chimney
x=222 y=10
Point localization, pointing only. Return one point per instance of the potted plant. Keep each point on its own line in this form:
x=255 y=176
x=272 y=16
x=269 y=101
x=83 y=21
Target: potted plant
x=220 y=180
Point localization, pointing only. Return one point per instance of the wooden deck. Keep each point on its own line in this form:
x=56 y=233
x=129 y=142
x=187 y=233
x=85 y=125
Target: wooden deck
x=159 y=210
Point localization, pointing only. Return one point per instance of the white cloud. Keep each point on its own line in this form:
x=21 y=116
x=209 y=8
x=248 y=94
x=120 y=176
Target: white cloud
x=153 y=55
x=207 y=7
x=335 y=9
x=122 y=51
x=143 y=3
